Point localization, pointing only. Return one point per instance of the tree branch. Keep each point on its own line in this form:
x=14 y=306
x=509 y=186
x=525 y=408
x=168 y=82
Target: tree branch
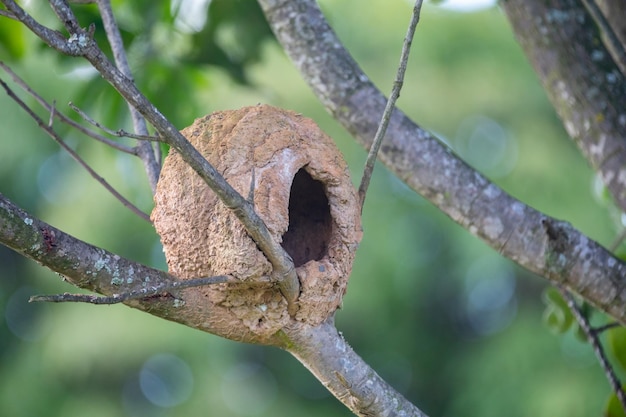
x=541 y=244
x=391 y=102
x=145 y=292
x=84 y=265
x=324 y=352
x=584 y=84
x=596 y=344
x=53 y=134
x=144 y=149
x=95 y=269
x=80 y=43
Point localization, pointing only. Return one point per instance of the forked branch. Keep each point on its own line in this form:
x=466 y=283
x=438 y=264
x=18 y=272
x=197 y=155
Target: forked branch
x=431 y=169
x=80 y=43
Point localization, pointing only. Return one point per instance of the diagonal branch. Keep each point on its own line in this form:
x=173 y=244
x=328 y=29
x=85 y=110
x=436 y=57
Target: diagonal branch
x=325 y=353
x=550 y=248
x=50 y=109
x=596 y=344
x=53 y=134
x=584 y=84
x=391 y=102
x=80 y=43
x=82 y=264
x=144 y=149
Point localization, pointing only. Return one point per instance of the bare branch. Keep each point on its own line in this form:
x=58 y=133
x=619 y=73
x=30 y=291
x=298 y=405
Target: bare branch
x=8 y=14
x=596 y=344
x=587 y=89
x=79 y=43
x=600 y=329
x=613 y=41
x=326 y=354
x=149 y=291
x=119 y=133
x=52 y=37
x=52 y=133
x=50 y=108
x=98 y=270
x=84 y=265
x=146 y=152
x=559 y=252
x=391 y=102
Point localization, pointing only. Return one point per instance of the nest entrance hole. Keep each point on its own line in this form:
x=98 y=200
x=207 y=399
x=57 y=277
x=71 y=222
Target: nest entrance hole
x=310 y=222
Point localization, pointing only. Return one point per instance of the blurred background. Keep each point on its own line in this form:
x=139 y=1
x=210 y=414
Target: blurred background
x=447 y=321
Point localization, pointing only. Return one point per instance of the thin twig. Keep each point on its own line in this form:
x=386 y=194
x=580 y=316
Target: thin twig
x=131 y=295
x=600 y=329
x=80 y=44
x=119 y=133
x=145 y=151
x=50 y=108
x=594 y=340
x=74 y=155
x=8 y=14
x=391 y=102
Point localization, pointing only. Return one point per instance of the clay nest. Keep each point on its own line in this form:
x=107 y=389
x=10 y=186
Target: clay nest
x=303 y=193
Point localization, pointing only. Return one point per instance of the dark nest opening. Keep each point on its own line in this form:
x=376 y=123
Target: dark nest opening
x=310 y=222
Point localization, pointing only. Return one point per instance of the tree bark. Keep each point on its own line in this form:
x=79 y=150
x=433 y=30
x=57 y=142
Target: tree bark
x=541 y=244
x=583 y=82
x=324 y=352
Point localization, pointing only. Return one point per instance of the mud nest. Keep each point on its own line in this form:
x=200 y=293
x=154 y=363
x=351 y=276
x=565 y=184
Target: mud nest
x=303 y=193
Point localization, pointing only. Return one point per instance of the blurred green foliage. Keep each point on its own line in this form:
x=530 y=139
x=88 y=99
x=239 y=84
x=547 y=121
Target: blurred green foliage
x=445 y=319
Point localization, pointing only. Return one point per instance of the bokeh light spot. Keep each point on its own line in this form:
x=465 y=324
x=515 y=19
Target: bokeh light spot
x=166 y=380
x=248 y=389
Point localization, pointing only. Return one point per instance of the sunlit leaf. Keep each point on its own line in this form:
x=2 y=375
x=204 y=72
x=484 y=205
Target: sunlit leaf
x=12 y=39
x=614 y=407
x=557 y=315
x=617 y=344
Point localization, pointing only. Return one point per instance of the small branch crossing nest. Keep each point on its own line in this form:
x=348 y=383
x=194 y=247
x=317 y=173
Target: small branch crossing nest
x=303 y=193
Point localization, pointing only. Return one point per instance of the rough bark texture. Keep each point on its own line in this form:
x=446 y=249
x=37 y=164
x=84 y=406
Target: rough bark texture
x=614 y=12
x=586 y=87
x=301 y=190
x=537 y=242
x=326 y=354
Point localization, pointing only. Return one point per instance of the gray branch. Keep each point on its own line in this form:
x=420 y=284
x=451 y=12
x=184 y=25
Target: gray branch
x=583 y=82
x=541 y=244
x=84 y=265
x=144 y=149
x=81 y=43
x=326 y=354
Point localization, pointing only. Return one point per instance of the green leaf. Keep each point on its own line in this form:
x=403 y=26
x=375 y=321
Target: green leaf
x=617 y=344
x=12 y=39
x=614 y=407
x=557 y=315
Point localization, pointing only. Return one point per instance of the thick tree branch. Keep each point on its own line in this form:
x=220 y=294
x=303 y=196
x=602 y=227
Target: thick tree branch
x=583 y=82
x=80 y=43
x=82 y=264
x=95 y=269
x=613 y=12
x=537 y=242
x=324 y=352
